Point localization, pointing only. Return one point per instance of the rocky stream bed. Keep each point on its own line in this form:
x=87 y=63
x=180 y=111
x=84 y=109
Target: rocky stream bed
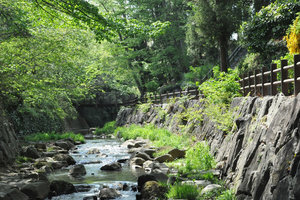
x=97 y=169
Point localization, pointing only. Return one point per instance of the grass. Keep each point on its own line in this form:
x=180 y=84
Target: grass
x=53 y=136
x=178 y=191
x=159 y=137
x=108 y=128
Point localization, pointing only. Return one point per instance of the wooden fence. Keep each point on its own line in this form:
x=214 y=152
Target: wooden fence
x=156 y=99
x=263 y=82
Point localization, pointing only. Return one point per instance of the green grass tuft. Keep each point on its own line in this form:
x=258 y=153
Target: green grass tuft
x=177 y=191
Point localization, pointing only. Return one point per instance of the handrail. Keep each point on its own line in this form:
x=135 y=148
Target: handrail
x=263 y=82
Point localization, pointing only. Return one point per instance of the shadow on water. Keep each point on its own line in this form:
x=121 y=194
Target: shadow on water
x=110 y=151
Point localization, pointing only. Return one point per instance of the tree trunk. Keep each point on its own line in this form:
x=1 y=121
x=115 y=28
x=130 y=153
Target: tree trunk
x=223 y=46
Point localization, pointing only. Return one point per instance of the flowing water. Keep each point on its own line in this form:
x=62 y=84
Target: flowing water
x=95 y=178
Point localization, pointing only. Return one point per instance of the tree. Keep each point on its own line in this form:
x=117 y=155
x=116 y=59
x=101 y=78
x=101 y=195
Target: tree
x=263 y=34
x=217 y=20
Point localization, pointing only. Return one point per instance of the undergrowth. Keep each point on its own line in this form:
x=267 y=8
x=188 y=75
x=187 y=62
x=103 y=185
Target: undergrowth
x=108 y=128
x=54 y=136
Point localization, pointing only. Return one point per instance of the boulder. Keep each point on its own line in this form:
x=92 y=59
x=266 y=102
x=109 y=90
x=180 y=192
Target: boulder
x=177 y=153
x=37 y=190
x=142 y=155
x=31 y=152
x=65 y=144
x=109 y=193
x=164 y=158
x=112 y=166
x=65 y=157
x=8 y=192
x=152 y=190
x=41 y=146
x=93 y=151
x=142 y=179
x=137 y=161
x=59 y=187
x=210 y=188
x=77 y=171
x=150 y=152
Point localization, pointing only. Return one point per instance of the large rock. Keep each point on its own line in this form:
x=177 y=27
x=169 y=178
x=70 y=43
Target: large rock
x=177 y=153
x=142 y=179
x=9 y=144
x=37 y=190
x=152 y=190
x=65 y=157
x=59 y=187
x=142 y=155
x=112 y=166
x=65 y=144
x=137 y=161
x=8 y=192
x=31 y=152
x=77 y=171
x=164 y=158
x=109 y=193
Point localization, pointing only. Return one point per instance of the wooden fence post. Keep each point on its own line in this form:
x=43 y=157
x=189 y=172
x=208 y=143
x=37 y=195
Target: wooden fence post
x=174 y=95
x=188 y=91
x=273 y=79
x=249 y=82
x=284 y=76
x=296 y=74
x=155 y=98
x=263 y=81
x=244 y=89
x=180 y=92
x=167 y=95
x=161 y=100
x=255 y=82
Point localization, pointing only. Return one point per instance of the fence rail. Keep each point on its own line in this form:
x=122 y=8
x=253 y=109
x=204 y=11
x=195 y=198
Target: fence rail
x=158 y=98
x=263 y=82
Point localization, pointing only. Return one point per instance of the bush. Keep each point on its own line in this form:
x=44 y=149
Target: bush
x=293 y=36
x=184 y=191
x=227 y=195
x=267 y=27
x=199 y=158
x=108 y=128
x=53 y=136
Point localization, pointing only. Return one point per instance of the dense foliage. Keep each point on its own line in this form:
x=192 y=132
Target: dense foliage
x=293 y=36
x=263 y=34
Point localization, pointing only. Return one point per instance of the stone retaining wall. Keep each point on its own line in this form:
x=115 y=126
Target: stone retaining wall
x=260 y=158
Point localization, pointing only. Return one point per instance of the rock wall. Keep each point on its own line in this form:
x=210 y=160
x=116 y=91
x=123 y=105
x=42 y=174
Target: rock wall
x=260 y=159
x=9 y=146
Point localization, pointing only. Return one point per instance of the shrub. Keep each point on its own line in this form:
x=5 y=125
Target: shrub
x=199 y=158
x=219 y=93
x=293 y=36
x=108 y=128
x=227 y=195
x=184 y=191
x=53 y=136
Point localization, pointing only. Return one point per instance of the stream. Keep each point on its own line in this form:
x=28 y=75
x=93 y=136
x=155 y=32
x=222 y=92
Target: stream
x=95 y=178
